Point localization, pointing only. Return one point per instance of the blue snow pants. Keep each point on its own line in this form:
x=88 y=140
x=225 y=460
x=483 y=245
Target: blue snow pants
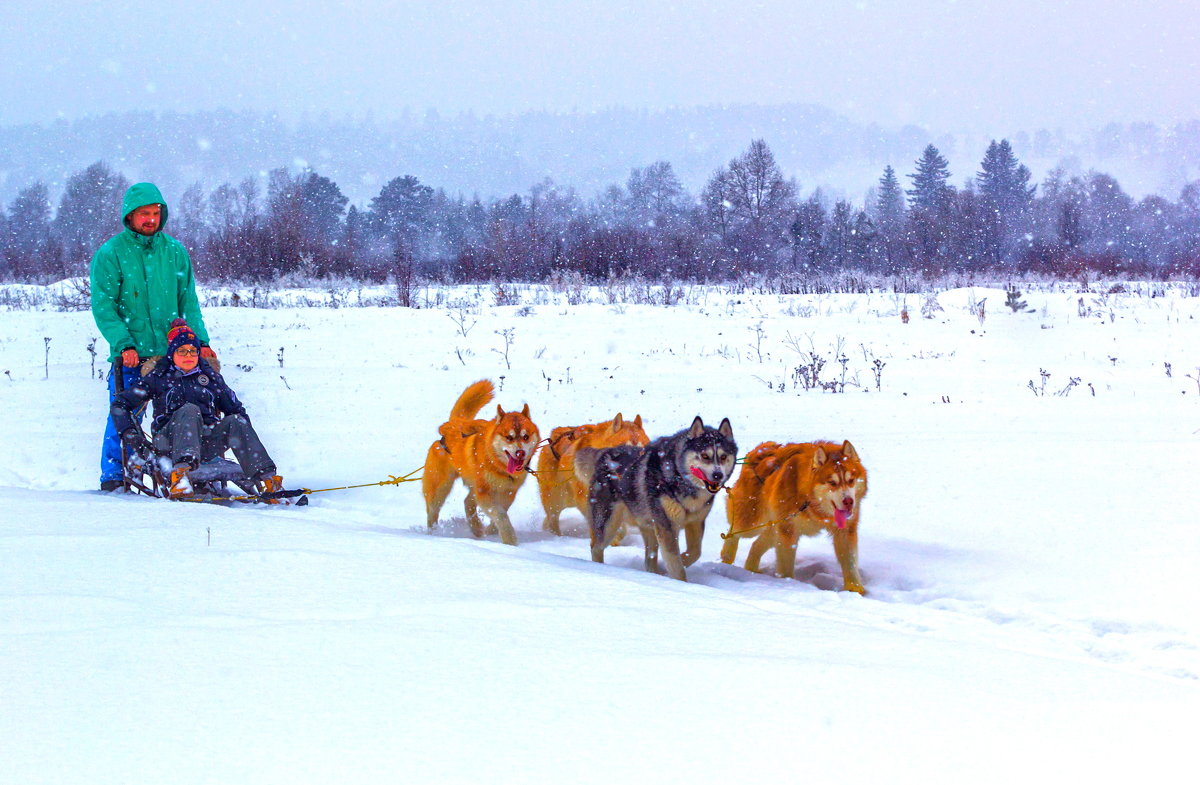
x=110 y=450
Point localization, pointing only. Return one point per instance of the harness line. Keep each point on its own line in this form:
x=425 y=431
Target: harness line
x=263 y=497
x=392 y=480
x=767 y=525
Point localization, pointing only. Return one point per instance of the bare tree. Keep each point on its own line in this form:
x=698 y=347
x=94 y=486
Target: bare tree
x=753 y=203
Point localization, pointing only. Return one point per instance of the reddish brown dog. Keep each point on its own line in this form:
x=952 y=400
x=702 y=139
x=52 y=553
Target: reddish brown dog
x=559 y=486
x=490 y=456
x=793 y=490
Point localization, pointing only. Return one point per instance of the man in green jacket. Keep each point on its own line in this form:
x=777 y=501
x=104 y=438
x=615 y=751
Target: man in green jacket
x=141 y=280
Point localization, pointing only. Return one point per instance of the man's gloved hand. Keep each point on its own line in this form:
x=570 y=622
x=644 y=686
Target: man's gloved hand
x=135 y=441
x=207 y=353
x=129 y=358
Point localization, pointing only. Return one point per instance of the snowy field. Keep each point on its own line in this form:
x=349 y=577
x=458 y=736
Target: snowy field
x=1029 y=546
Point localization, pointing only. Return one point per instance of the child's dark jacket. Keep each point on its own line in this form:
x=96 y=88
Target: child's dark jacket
x=169 y=388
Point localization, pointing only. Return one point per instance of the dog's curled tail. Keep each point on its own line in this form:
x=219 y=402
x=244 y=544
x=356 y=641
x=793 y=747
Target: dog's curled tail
x=474 y=398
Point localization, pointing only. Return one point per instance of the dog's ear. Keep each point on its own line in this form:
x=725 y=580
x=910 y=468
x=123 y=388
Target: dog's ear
x=617 y=422
x=525 y=410
x=725 y=429
x=638 y=421
x=849 y=451
x=819 y=458
x=499 y=410
x=697 y=428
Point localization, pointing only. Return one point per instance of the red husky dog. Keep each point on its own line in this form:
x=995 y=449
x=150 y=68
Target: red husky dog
x=793 y=490
x=559 y=486
x=491 y=457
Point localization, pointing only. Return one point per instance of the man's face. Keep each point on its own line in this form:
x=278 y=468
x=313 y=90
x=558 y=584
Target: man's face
x=186 y=357
x=146 y=219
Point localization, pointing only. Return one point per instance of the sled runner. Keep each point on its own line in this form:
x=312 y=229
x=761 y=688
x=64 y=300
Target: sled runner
x=218 y=481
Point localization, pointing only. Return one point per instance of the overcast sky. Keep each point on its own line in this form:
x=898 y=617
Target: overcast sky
x=985 y=65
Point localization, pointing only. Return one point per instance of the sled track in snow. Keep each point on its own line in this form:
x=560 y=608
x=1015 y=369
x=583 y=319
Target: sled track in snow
x=894 y=601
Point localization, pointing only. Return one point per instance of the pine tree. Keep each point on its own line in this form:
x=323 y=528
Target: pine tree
x=89 y=212
x=401 y=211
x=1003 y=182
x=1108 y=211
x=346 y=256
x=932 y=220
x=26 y=234
x=889 y=205
x=1005 y=197
x=839 y=235
x=808 y=225
x=931 y=182
x=1013 y=299
x=323 y=206
x=866 y=251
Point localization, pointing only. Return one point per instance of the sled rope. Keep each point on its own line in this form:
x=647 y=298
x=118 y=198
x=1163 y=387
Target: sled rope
x=302 y=492
x=767 y=525
x=729 y=534
x=392 y=480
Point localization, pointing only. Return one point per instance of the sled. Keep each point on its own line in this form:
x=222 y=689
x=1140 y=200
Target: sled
x=148 y=472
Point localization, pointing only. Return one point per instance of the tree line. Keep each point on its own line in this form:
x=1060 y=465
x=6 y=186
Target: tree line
x=749 y=219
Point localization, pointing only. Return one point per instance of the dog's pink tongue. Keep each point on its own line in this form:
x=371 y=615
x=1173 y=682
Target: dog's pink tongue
x=839 y=517
x=514 y=463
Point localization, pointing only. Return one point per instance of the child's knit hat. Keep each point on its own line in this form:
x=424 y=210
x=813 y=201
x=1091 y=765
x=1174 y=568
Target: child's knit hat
x=179 y=335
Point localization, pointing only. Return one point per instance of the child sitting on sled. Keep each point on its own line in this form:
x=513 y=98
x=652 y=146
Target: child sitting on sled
x=196 y=416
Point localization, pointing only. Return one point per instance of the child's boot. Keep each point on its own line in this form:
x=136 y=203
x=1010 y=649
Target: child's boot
x=270 y=483
x=180 y=484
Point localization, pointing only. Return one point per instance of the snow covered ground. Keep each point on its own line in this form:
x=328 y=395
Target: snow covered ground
x=1030 y=558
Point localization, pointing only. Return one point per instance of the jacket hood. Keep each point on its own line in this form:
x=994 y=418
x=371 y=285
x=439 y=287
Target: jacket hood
x=140 y=195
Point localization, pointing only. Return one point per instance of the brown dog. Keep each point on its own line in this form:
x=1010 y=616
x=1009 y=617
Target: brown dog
x=793 y=490
x=559 y=486
x=491 y=456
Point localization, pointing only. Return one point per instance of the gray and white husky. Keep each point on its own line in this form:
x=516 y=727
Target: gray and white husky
x=662 y=488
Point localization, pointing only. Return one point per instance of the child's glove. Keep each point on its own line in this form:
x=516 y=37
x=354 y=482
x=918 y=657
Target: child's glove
x=129 y=358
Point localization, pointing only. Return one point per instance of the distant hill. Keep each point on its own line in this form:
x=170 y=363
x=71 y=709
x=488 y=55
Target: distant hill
x=496 y=156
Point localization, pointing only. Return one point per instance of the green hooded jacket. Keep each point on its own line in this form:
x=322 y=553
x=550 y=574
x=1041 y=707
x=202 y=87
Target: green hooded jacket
x=139 y=284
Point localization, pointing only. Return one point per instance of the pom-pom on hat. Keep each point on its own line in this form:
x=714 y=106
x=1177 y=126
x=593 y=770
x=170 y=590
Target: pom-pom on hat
x=179 y=335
